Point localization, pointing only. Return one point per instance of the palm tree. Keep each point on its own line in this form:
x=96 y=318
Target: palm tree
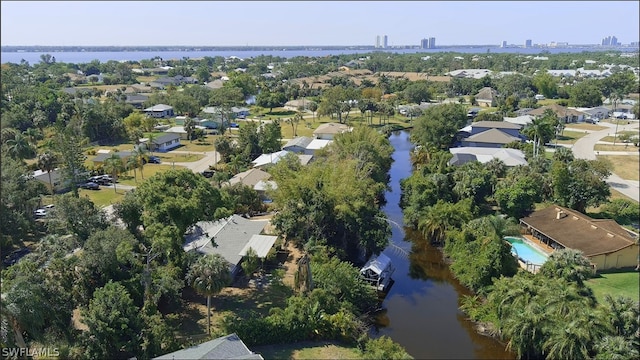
x=47 y=162
x=33 y=135
x=19 y=147
x=141 y=154
x=540 y=130
x=132 y=164
x=208 y=276
x=189 y=127
x=113 y=165
x=151 y=137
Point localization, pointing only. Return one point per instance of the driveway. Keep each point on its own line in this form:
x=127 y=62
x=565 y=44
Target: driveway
x=210 y=158
x=583 y=149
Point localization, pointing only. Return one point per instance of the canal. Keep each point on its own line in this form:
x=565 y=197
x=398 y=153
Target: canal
x=421 y=309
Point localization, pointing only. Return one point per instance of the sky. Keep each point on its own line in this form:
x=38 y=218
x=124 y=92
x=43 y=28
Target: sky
x=295 y=23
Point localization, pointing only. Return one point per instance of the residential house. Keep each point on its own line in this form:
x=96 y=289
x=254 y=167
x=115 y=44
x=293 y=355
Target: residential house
x=295 y=105
x=56 y=179
x=510 y=157
x=470 y=73
x=315 y=145
x=160 y=111
x=268 y=159
x=240 y=112
x=222 y=348
x=595 y=114
x=136 y=100
x=297 y=145
x=163 y=82
x=494 y=134
x=329 y=130
x=565 y=115
x=263 y=186
x=522 y=120
x=180 y=130
x=250 y=177
x=231 y=238
x=603 y=241
x=103 y=156
x=487 y=97
x=165 y=142
x=215 y=84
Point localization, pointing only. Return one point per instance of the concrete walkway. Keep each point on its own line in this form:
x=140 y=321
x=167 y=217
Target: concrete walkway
x=584 y=149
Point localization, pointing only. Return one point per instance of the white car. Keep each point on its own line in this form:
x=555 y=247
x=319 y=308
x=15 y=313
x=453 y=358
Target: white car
x=40 y=213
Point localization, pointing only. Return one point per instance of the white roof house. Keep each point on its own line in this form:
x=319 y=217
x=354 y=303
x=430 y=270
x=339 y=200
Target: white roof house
x=271 y=158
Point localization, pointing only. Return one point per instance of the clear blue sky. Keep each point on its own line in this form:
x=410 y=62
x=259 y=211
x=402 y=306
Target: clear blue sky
x=289 y=23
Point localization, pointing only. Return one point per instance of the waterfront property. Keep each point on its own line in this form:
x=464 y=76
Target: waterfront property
x=225 y=347
x=529 y=256
x=603 y=241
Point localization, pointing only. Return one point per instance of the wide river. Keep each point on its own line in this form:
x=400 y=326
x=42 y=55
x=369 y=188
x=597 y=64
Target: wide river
x=422 y=306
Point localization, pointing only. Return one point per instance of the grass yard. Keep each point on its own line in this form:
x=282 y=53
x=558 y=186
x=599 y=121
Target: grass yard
x=622 y=147
x=178 y=157
x=625 y=166
x=569 y=137
x=149 y=170
x=104 y=196
x=622 y=284
x=617 y=138
x=585 y=126
x=308 y=350
x=197 y=145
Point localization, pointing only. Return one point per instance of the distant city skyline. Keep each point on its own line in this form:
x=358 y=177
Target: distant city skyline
x=299 y=23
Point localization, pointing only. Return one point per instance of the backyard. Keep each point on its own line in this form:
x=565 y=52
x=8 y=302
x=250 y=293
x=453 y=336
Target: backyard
x=616 y=284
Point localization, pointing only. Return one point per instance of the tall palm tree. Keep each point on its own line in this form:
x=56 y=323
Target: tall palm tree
x=208 y=276
x=47 y=162
x=33 y=135
x=19 y=147
x=189 y=127
x=113 y=165
x=132 y=164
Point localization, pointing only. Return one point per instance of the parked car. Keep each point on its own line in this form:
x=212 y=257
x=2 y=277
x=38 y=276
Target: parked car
x=40 y=213
x=90 y=186
x=154 y=160
x=208 y=173
x=14 y=256
x=50 y=206
x=234 y=125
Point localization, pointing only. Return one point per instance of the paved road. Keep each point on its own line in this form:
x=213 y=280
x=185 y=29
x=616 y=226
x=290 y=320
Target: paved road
x=583 y=149
x=210 y=158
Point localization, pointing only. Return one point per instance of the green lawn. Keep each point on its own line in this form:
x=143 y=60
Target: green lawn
x=617 y=139
x=623 y=284
x=148 y=171
x=569 y=137
x=308 y=350
x=104 y=196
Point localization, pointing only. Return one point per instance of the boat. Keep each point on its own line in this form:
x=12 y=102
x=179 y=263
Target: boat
x=377 y=272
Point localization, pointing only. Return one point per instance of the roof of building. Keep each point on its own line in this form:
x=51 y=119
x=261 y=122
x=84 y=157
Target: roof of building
x=305 y=159
x=101 y=157
x=378 y=264
x=510 y=157
x=167 y=137
x=250 y=177
x=261 y=244
x=460 y=159
x=559 y=110
x=159 y=107
x=522 y=120
x=486 y=94
x=226 y=237
x=492 y=136
x=56 y=175
x=301 y=141
x=225 y=347
x=331 y=128
x=575 y=230
x=496 y=125
x=271 y=158
x=264 y=185
x=317 y=144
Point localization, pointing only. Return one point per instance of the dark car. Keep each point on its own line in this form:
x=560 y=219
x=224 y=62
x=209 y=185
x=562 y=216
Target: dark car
x=90 y=186
x=234 y=125
x=208 y=173
x=154 y=160
x=14 y=256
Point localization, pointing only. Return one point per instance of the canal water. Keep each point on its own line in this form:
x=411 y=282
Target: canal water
x=421 y=309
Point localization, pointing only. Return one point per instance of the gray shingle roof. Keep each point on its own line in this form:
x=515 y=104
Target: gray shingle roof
x=493 y=136
x=226 y=347
x=165 y=138
x=301 y=141
x=496 y=125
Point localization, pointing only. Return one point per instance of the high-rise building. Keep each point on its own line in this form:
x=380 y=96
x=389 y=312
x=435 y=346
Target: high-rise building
x=527 y=43
x=385 y=40
x=504 y=44
x=614 y=41
x=424 y=44
x=432 y=43
x=377 y=41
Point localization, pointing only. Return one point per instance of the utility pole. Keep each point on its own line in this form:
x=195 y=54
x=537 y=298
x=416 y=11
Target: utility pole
x=613 y=114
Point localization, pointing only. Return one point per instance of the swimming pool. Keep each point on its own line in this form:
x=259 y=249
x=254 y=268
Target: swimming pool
x=525 y=252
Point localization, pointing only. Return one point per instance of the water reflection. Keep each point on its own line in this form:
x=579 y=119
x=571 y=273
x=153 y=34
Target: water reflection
x=421 y=309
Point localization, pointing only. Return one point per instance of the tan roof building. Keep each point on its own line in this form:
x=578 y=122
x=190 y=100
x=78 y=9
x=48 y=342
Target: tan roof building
x=565 y=114
x=603 y=241
x=329 y=130
x=250 y=177
x=487 y=97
